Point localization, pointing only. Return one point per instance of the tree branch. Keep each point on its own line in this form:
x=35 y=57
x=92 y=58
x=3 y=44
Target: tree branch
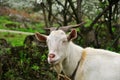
x=104 y=11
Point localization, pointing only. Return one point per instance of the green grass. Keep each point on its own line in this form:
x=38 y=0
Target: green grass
x=18 y=39
x=36 y=27
x=13 y=39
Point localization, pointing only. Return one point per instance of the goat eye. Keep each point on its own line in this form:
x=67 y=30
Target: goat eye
x=64 y=41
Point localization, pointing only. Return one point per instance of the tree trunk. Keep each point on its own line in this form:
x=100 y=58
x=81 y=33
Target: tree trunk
x=79 y=12
x=74 y=11
x=109 y=19
x=44 y=14
x=65 y=14
x=50 y=12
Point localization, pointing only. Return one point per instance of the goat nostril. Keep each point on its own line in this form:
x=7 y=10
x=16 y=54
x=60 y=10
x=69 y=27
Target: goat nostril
x=51 y=55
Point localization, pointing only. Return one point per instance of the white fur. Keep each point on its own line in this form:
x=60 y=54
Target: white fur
x=99 y=64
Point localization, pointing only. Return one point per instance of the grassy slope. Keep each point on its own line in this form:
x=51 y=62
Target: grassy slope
x=31 y=27
x=17 y=39
x=14 y=39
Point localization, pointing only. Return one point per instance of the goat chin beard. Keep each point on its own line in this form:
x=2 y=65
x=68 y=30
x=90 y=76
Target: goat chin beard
x=58 y=67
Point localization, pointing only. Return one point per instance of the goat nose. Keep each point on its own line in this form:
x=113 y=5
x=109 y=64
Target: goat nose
x=51 y=55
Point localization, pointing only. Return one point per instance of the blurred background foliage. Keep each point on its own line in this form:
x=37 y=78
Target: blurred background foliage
x=22 y=57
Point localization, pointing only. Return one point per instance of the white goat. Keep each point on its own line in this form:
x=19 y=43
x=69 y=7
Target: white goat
x=80 y=63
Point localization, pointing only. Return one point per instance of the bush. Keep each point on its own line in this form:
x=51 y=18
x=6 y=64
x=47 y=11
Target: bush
x=25 y=63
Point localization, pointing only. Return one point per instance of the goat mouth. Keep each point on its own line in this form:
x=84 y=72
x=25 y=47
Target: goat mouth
x=54 y=62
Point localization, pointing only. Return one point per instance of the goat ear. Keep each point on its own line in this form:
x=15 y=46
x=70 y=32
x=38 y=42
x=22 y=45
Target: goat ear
x=40 y=37
x=72 y=35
